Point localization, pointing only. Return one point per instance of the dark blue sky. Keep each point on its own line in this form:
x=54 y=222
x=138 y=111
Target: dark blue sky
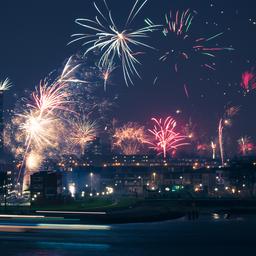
x=34 y=37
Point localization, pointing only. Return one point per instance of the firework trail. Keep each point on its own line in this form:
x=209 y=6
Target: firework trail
x=190 y=131
x=106 y=73
x=177 y=27
x=165 y=138
x=225 y=121
x=248 y=82
x=5 y=85
x=213 y=147
x=245 y=145
x=186 y=91
x=220 y=131
x=114 y=43
x=129 y=138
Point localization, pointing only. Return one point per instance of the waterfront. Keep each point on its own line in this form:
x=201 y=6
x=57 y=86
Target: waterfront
x=211 y=234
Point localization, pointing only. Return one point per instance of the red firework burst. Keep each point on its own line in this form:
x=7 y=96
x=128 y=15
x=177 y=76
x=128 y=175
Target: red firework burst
x=248 y=82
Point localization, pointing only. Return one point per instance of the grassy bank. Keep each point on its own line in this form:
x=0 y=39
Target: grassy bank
x=130 y=209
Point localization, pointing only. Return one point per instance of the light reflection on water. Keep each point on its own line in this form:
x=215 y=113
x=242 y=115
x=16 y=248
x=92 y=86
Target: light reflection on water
x=72 y=246
x=210 y=232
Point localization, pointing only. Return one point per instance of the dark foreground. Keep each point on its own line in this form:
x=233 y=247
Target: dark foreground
x=209 y=235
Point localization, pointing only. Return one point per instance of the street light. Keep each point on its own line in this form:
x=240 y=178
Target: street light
x=72 y=189
x=154 y=176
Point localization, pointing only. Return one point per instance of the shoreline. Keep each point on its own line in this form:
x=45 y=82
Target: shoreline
x=149 y=210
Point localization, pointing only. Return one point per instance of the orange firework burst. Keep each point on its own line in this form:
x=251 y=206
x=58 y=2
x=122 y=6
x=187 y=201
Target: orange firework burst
x=129 y=138
x=83 y=131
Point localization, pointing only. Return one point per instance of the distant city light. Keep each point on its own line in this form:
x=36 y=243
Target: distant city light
x=72 y=189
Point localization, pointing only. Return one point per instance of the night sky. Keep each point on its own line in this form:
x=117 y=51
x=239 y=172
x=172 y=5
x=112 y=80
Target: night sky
x=34 y=37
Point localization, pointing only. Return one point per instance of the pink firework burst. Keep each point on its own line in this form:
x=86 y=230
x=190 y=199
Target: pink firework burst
x=245 y=145
x=248 y=82
x=165 y=138
x=186 y=45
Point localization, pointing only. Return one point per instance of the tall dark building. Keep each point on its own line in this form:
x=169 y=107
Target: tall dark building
x=46 y=184
x=98 y=148
x=94 y=148
x=1 y=124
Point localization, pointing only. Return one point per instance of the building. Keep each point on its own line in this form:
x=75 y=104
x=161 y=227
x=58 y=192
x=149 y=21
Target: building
x=97 y=148
x=134 y=176
x=1 y=124
x=3 y=183
x=45 y=185
x=80 y=181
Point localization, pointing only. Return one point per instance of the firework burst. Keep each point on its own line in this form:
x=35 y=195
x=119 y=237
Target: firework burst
x=55 y=119
x=49 y=97
x=83 y=131
x=39 y=123
x=129 y=138
x=165 y=138
x=248 y=82
x=115 y=43
x=245 y=145
x=40 y=119
x=184 y=46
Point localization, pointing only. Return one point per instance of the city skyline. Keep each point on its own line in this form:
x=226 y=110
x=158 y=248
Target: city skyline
x=127 y=127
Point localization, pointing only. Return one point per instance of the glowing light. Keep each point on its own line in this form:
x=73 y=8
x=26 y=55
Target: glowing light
x=110 y=190
x=33 y=161
x=213 y=147
x=21 y=216
x=39 y=129
x=72 y=189
x=73 y=212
